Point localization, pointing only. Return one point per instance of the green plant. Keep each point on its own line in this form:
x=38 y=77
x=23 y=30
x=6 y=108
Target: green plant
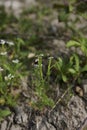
x=79 y=62
x=41 y=84
x=10 y=74
x=4 y=113
x=61 y=67
x=66 y=70
x=81 y=43
x=73 y=69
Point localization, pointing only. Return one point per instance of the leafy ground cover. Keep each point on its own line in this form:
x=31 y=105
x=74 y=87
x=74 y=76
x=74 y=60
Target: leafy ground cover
x=27 y=49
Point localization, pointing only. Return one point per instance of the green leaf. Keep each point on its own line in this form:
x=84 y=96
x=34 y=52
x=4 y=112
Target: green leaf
x=20 y=41
x=73 y=43
x=60 y=61
x=72 y=71
x=7 y=67
x=59 y=64
x=64 y=78
x=77 y=64
x=84 y=68
x=84 y=49
x=4 y=113
x=47 y=101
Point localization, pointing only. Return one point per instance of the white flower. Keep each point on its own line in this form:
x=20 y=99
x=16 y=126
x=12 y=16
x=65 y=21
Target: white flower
x=10 y=43
x=3 y=53
x=31 y=55
x=6 y=42
x=15 y=61
x=1 y=69
x=9 y=77
x=2 y=42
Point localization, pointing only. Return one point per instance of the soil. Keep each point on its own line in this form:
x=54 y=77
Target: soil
x=66 y=115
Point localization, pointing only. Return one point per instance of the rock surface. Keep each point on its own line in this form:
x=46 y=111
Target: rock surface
x=16 y=6
x=72 y=116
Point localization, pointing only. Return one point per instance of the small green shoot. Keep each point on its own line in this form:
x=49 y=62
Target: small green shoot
x=4 y=113
x=41 y=84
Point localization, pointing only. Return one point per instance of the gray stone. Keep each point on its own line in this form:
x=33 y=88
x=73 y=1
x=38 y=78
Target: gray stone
x=16 y=127
x=70 y=117
x=16 y=6
x=4 y=125
x=84 y=83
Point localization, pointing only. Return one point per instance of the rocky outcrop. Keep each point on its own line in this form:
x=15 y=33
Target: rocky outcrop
x=72 y=116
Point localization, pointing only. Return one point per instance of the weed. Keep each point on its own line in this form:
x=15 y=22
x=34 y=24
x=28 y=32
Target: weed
x=80 y=62
x=66 y=70
x=10 y=73
x=41 y=84
x=4 y=113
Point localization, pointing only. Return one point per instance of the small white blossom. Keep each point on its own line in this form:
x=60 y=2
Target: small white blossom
x=10 y=43
x=2 y=42
x=36 y=60
x=3 y=53
x=9 y=77
x=31 y=55
x=15 y=61
x=6 y=42
x=1 y=69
